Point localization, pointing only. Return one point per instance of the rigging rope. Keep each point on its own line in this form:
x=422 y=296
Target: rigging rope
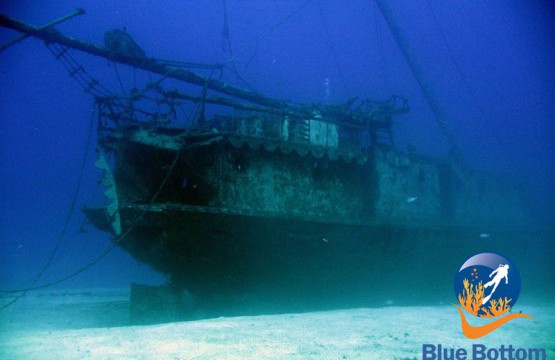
x=469 y=88
x=269 y=31
x=93 y=87
x=240 y=78
x=119 y=79
x=105 y=252
x=226 y=42
x=381 y=51
x=415 y=68
x=67 y=219
x=76 y=71
x=83 y=80
x=330 y=44
x=227 y=49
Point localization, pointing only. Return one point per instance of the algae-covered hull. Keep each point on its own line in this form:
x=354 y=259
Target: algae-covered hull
x=242 y=222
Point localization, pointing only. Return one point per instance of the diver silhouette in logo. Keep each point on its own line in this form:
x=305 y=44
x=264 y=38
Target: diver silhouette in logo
x=501 y=272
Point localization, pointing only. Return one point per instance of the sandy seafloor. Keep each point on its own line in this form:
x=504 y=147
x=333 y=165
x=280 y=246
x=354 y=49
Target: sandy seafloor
x=93 y=324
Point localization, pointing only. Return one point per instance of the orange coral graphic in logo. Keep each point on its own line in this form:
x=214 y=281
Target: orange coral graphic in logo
x=483 y=289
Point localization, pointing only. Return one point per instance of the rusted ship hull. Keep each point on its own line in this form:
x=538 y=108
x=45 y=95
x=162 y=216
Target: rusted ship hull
x=245 y=224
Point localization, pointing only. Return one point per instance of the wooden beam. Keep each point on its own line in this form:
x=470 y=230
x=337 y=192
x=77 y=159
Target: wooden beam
x=55 y=22
x=146 y=63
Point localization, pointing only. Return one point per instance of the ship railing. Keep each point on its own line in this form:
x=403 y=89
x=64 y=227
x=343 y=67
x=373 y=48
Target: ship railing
x=352 y=126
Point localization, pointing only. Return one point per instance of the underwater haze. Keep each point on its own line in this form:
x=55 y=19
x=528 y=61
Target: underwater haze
x=491 y=65
x=503 y=119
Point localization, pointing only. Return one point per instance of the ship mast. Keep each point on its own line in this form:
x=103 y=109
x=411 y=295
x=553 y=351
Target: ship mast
x=416 y=70
x=153 y=65
x=366 y=115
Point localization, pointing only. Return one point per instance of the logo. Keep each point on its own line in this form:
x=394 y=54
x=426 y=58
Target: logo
x=487 y=286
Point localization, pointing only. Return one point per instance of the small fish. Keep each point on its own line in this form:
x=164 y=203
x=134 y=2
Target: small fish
x=325 y=240
x=412 y=199
x=484 y=236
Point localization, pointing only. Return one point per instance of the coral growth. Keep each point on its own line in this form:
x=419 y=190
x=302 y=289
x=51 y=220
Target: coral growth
x=496 y=308
x=471 y=297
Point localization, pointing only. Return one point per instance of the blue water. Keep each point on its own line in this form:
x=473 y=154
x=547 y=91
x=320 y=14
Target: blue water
x=328 y=51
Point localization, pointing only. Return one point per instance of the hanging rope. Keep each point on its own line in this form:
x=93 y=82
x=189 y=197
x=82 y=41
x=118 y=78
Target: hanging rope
x=332 y=49
x=381 y=51
x=67 y=221
x=105 y=252
x=226 y=42
x=31 y=287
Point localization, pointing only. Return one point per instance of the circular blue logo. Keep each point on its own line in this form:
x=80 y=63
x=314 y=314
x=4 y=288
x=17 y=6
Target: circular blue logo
x=487 y=285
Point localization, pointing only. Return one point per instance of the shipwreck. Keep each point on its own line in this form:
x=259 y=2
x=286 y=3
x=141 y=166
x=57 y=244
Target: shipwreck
x=255 y=204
